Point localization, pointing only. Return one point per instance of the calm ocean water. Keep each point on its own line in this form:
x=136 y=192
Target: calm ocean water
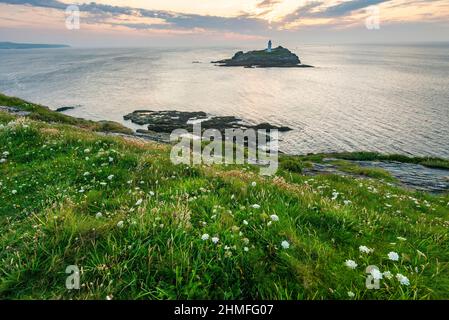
x=392 y=99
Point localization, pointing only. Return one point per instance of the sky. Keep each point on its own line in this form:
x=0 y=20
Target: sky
x=120 y=23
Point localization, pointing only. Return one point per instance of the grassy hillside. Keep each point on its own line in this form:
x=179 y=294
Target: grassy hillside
x=43 y=113
x=134 y=223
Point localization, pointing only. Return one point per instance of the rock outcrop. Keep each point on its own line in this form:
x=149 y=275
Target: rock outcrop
x=278 y=57
x=167 y=121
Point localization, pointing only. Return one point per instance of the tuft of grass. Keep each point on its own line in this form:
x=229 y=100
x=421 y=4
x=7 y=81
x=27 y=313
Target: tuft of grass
x=293 y=164
x=356 y=169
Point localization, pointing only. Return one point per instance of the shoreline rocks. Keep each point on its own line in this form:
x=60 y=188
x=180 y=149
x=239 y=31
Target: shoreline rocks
x=409 y=175
x=14 y=111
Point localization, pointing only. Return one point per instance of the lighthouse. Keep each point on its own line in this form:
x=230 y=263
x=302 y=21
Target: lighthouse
x=269 y=46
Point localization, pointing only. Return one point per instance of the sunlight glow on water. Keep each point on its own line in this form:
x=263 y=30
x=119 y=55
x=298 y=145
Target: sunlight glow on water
x=392 y=99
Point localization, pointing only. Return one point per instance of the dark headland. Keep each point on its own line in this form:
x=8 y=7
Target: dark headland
x=279 y=57
x=14 y=45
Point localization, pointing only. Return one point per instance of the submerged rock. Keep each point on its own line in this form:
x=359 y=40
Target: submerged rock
x=278 y=57
x=66 y=108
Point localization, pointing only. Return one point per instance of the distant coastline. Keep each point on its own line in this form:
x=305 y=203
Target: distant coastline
x=15 y=45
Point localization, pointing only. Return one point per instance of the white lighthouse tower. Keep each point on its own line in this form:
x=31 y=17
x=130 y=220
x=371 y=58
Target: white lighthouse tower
x=269 y=46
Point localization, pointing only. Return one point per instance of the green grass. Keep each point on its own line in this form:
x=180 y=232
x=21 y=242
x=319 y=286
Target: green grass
x=43 y=113
x=373 y=156
x=369 y=172
x=57 y=178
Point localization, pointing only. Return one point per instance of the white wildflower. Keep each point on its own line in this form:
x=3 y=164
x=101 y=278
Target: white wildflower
x=351 y=264
x=253 y=184
x=255 y=206
x=120 y=224
x=14 y=191
x=205 y=237
x=245 y=222
x=139 y=202
x=377 y=275
x=2 y=160
x=393 y=256
x=111 y=177
x=215 y=240
x=246 y=249
x=274 y=217
x=403 y=279
x=98 y=215
x=365 y=249
x=285 y=244
x=351 y=294
x=388 y=274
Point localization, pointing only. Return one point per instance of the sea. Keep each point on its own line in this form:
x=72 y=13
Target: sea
x=387 y=98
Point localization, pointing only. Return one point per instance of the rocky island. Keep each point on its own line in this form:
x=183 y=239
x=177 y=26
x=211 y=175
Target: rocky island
x=279 y=57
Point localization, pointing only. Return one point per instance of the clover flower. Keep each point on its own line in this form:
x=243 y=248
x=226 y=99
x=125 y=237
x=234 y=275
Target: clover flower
x=274 y=217
x=215 y=240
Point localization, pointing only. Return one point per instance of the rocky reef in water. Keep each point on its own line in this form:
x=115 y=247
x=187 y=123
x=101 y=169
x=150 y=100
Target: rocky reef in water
x=161 y=123
x=279 y=57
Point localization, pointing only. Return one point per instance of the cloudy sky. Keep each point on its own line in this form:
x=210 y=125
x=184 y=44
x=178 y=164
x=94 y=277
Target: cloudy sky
x=224 y=22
